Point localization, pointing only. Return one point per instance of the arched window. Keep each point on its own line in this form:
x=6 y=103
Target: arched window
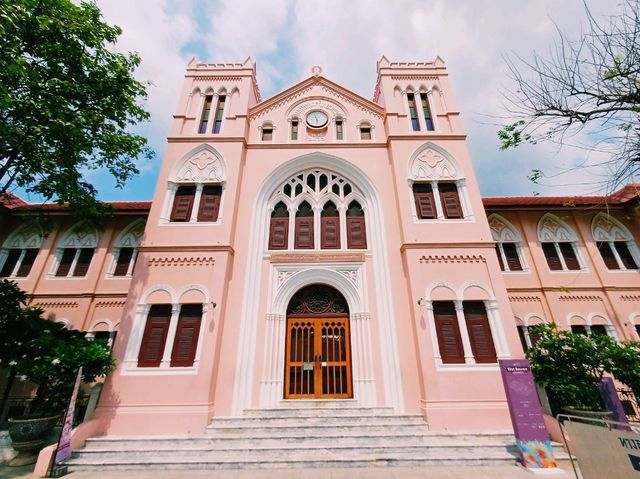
x=329 y=227
x=20 y=250
x=75 y=251
x=125 y=250
x=195 y=188
x=304 y=227
x=365 y=130
x=267 y=131
x=508 y=244
x=559 y=244
x=413 y=111
x=339 y=128
x=295 y=129
x=319 y=200
x=438 y=186
x=206 y=114
x=615 y=243
x=279 y=228
x=426 y=111
x=356 y=230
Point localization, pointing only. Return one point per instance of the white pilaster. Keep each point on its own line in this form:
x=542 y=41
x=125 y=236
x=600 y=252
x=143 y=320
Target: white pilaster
x=497 y=332
x=437 y=200
x=434 y=112
x=196 y=203
x=464 y=334
x=171 y=336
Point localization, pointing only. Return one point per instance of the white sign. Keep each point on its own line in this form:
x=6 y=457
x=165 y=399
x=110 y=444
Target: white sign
x=604 y=452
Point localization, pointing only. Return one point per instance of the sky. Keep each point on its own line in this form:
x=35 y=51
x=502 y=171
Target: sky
x=346 y=38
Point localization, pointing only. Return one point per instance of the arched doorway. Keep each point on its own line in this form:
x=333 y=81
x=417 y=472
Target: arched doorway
x=318 y=348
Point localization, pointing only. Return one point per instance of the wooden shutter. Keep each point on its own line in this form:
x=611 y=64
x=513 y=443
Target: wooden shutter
x=511 y=253
x=84 y=260
x=182 y=203
x=155 y=336
x=550 y=253
x=448 y=332
x=27 y=262
x=330 y=232
x=607 y=255
x=123 y=262
x=569 y=255
x=304 y=232
x=499 y=257
x=356 y=232
x=479 y=330
x=68 y=255
x=13 y=255
x=210 y=203
x=425 y=204
x=186 y=340
x=450 y=200
x=625 y=255
x=279 y=233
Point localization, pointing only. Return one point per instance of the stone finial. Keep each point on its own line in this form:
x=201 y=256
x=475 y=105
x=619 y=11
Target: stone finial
x=316 y=70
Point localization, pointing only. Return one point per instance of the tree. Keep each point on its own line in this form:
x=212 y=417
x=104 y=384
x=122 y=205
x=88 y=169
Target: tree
x=590 y=86
x=45 y=353
x=67 y=100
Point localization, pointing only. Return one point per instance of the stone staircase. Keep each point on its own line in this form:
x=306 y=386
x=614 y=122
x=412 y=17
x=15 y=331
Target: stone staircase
x=298 y=434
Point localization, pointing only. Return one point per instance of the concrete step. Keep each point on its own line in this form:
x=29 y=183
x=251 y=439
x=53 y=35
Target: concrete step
x=299 y=434
x=313 y=421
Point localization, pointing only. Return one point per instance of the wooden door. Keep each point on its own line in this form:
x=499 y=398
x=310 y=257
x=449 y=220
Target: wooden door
x=318 y=358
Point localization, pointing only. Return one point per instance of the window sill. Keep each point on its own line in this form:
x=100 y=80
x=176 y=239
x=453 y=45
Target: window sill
x=53 y=276
x=468 y=219
x=132 y=369
x=182 y=224
x=524 y=271
x=466 y=367
x=111 y=276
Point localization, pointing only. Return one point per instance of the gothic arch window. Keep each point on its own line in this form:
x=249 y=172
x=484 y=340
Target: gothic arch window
x=329 y=226
x=437 y=185
x=615 y=244
x=317 y=201
x=195 y=188
x=125 y=250
x=508 y=244
x=279 y=227
x=75 y=251
x=20 y=250
x=559 y=244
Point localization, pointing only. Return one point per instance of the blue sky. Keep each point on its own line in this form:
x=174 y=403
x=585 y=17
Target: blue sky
x=287 y=37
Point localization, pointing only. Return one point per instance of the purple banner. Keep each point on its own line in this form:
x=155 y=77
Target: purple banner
x=531 y=433
x=524 y=405
x=612 y=402
x=63 y=451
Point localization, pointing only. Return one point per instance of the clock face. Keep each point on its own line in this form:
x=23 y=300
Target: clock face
x=317 y=119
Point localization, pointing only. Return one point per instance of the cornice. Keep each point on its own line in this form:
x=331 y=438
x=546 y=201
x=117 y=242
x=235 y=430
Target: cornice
x=410 y=246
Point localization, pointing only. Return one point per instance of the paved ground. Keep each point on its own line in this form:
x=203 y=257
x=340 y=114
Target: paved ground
x=495 y=472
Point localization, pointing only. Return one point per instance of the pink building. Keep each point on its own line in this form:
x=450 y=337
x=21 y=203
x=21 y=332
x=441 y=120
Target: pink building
x=320 y=245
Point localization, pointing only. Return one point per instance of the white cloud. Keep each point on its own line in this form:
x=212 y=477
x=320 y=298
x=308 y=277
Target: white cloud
x=287 y=37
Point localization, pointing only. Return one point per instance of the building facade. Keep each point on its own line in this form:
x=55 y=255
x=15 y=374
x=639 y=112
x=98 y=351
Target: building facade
x=320 y=245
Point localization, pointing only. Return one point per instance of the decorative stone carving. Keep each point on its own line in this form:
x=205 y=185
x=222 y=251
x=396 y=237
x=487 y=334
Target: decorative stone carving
x=182 y=261
x=350 y=274
x=431 y=165
x=202 y=167
x=284 y=275
x=551 y=229
x=452 y=259
x=605 y=228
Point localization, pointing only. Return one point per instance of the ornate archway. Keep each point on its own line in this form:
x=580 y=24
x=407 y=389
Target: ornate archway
x=318 y=347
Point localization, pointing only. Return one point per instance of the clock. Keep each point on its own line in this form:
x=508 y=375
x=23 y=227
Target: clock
x=317 y=119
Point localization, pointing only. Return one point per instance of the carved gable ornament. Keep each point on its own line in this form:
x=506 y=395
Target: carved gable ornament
x=605 y=228
x=132 y=237
x=432 y=165
x=502 y=232
x=29 y=236
x=202 y=166
x=551 y=229
x=81 y=236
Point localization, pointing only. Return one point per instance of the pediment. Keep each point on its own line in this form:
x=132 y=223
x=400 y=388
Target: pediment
x=316 y=92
